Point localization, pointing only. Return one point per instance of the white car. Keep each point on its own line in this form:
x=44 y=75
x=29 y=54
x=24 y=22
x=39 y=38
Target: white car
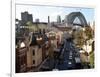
x=69 y=62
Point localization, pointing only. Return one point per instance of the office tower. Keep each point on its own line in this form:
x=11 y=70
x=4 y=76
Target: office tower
x=37 y=20
x=25 y=17
x=58 y=19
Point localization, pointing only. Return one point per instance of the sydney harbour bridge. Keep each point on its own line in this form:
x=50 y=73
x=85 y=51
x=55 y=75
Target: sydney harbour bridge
x=71 y=17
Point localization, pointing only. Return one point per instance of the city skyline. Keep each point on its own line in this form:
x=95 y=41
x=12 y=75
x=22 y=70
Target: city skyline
x=52 y=38
x=42 y=12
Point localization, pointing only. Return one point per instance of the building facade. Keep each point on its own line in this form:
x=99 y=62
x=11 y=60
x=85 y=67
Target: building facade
x=21 y=61
x=58 y=19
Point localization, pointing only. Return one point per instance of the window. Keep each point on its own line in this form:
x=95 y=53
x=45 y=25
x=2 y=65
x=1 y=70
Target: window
x=33 y=61
x=33 y=52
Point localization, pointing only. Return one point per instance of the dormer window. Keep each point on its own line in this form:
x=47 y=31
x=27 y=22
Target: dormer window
x=22 y=45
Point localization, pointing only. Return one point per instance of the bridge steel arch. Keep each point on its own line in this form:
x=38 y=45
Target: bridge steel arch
x=71 y=17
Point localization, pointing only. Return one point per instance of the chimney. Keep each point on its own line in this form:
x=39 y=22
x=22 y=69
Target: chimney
x=48 y=19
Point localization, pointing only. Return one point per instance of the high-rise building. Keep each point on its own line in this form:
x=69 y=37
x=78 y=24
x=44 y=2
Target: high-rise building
x=58 y=19
x=65 y=20
x=30 y=17
x=25 y=17
x=37 y=20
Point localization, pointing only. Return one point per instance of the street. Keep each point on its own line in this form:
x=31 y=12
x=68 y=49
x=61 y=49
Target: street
x=67 y=58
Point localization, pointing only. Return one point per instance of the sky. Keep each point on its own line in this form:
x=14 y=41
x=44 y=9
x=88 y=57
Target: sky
x=42 y=12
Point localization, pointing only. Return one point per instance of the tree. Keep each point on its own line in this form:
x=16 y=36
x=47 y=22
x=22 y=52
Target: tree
x=78 y=37
x=31 y=26
x=29 y=23
x=51 y=51
x=91 y=57
x=89 y=32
